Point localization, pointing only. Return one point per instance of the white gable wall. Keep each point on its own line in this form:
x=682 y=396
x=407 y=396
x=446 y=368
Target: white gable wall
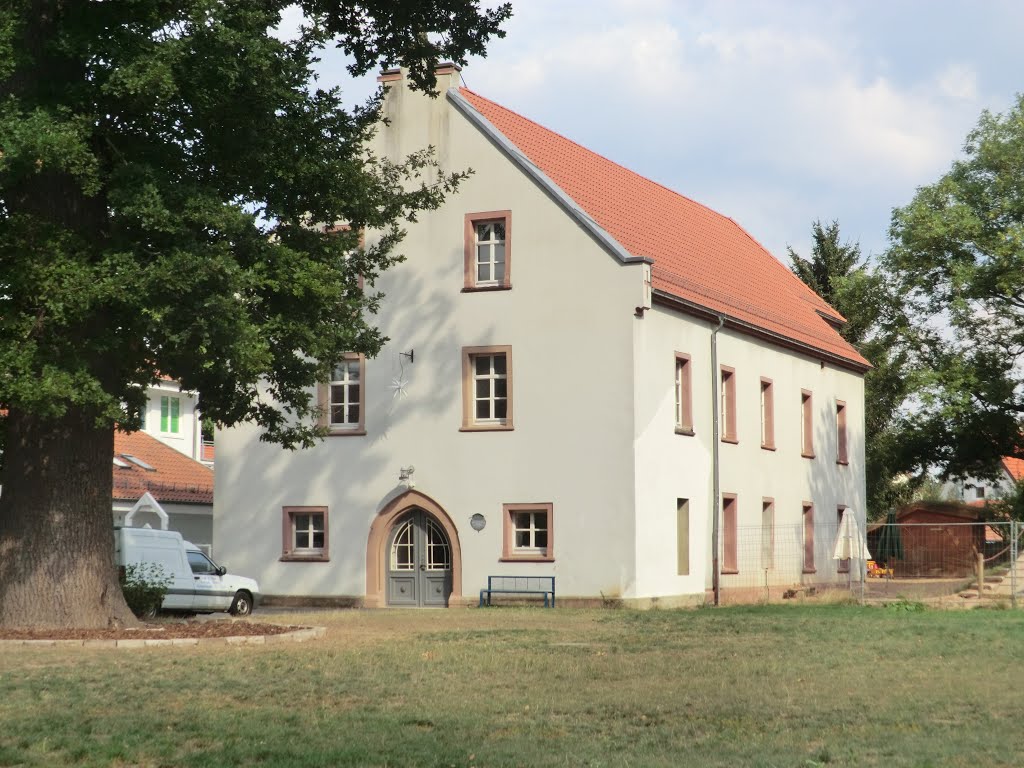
x=568 y=318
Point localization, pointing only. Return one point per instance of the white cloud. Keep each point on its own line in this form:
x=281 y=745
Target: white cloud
x=959 y=82
x=775 y=113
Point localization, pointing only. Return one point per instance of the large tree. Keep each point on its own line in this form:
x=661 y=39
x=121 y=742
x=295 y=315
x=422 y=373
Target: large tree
x=161 y=163
x=957 y=261
x=839 y=274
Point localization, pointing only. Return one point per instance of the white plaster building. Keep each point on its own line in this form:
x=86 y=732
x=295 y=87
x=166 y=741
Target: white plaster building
x=560 y=394
x=172 y=416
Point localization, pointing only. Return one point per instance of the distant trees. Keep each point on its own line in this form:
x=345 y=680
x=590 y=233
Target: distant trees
x=957 y=264
x=839 y=274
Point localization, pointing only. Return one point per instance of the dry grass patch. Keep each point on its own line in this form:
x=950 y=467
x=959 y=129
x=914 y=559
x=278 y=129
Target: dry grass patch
x=769 y=685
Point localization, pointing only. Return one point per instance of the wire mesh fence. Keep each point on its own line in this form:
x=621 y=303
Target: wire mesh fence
x=940 y=561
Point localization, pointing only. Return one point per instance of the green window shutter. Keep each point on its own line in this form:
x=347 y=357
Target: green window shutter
x=164 y=407
x=175 y=405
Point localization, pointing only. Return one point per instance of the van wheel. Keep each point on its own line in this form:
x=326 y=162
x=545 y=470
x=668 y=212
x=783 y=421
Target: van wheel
x=242 y=604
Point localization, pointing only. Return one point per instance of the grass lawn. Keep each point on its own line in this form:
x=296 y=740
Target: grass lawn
x=792 y=685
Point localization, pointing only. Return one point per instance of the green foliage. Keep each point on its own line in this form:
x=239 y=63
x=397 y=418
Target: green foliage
x=903 y=605
x=930 y=489
x=161 y=165
x=1010 y=506
x=957 y=261
x=144 y=586
x=837 y=272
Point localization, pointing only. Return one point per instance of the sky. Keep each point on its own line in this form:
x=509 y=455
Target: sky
x=775 y=113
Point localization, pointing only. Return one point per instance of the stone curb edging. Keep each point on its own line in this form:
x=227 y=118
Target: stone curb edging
x=299 y=635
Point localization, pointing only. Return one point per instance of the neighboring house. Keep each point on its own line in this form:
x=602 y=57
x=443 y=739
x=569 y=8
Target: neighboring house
x=547 y=408
x=157 y=486
x=172 y=417
x=974 y=489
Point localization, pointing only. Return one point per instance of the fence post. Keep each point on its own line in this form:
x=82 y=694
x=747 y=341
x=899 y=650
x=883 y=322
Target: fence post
x=1013 y=562
x=981 y=576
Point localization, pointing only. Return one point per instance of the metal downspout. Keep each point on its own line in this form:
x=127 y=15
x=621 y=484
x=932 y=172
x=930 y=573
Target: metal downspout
x=716 y=573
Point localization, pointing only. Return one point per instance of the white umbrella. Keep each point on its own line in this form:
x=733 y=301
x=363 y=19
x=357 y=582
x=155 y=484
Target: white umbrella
x=850 y=542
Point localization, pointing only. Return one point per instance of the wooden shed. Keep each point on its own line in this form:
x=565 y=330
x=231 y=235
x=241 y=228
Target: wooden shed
x=940 y=539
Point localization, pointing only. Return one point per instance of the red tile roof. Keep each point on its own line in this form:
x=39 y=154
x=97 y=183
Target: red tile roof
x=176 y=477
x=699 y=255
x=1014 y=468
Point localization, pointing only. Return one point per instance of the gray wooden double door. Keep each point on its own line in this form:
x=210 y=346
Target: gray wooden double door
x=419 y=562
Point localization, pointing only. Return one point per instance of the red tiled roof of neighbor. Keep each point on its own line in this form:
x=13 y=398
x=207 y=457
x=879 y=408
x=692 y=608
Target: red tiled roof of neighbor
x=176 y=477
x=699 y=255
x=1014 y=468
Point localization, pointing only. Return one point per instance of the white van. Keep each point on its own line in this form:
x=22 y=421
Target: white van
x=198 y=585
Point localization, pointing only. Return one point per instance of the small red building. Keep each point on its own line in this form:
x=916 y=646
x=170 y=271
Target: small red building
x=940 y=539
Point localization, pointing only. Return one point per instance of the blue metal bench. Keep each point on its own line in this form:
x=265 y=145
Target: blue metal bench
x=520 y=585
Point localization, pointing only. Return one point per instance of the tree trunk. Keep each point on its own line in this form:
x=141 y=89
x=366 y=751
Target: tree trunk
x=56 y=525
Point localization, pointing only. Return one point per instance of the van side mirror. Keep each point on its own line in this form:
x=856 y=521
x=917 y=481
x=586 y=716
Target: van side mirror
x=221 y=570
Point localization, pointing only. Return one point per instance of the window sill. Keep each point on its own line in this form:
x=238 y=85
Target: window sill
x=807 y=455
x=731 y=440
x=767 y=447
x=843 y=570
x=810 y=570
x=485 y=288
x=730 y=571
x=346 y=433
x=525 y=559
x=486 y=428
x=688 y=431
x=292 y=558
x=843 y=462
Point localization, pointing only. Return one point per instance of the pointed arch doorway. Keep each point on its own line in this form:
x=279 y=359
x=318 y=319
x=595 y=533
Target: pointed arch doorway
x=413 y=555
x=419 y=562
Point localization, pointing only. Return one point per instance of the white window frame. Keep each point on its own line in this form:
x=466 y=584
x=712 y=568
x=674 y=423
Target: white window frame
x=684 y=394
x=483 y=223
x=470 y=398
x=327 y=403
x=487 y=246
x=538 y=517
x=291 y=532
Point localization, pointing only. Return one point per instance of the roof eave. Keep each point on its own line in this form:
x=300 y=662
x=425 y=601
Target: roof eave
x=692 y=308
x=609 y=243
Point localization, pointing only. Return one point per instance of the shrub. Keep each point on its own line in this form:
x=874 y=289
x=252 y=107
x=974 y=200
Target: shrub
x=144 y=586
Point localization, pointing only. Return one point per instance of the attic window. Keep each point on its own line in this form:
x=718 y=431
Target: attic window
x=119 y=463
x=488 y=250
x=137 y=462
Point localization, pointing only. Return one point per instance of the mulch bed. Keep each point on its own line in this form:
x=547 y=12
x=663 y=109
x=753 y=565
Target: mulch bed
x=162 y=630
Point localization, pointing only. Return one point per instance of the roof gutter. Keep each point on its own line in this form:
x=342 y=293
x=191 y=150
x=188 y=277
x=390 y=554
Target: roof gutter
x=683 y=305
x=516 y=155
